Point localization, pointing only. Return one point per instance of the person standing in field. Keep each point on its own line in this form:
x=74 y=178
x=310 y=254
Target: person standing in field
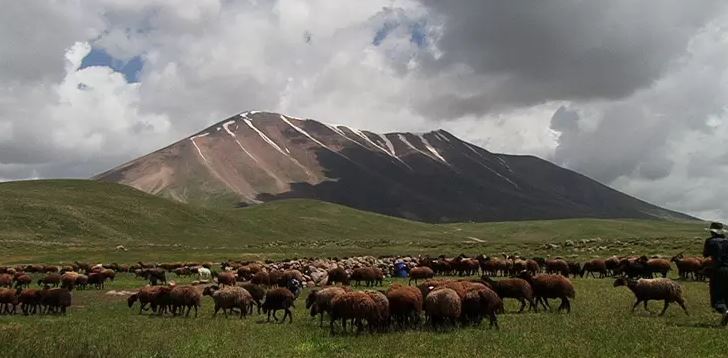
x=716 y=247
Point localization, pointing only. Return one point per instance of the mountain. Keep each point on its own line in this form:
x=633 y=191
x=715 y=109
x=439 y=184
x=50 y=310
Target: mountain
x=257 y=157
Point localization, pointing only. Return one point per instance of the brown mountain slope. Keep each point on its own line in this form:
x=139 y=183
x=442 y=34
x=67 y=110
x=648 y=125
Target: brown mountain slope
x=436 y=177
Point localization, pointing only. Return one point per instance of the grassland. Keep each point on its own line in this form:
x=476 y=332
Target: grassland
x=57 y=220
x=600 y=325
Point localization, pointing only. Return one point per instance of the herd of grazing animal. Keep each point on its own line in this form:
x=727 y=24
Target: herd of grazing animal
x=244 y=288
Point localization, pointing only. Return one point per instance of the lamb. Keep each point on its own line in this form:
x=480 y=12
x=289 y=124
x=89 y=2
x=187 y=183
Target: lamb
x=55 y=299
x=338 y=275
x=257 y=292
x=405 y=304
x=276 y=299
x=550 y=286
x=660 y=289
x=226 y=278
x=516 y=288
x=145 y=295
x=182 y=297
x=52 y=279
x=421 y=272
x=443 y=305
x=203 y=273
x=356 y=306
x=319 y=301
x=229 y=298
x=8 y=301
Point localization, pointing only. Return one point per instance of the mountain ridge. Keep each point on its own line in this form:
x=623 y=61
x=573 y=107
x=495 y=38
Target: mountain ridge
x=255 y=157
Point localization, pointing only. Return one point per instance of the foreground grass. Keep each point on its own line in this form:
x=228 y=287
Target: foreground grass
x=600 y=324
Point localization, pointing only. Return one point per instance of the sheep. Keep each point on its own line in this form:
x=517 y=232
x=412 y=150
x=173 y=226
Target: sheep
x=516 y=288
x=204 y=273
x=687 y=266
x=8 y=300
x=52 y=279
x=68 y=279
x=612 y=263
x=108 y=274
x=279 y=299
x=421 y=272
x=182 y=297
x=405 y=304
x=557 y=266
x=81 y=281
x=229 y=298
x=660 y=289
x=319 y=301
x=29 y=300
x=23 y=280
x=145 y=295
x=574 y=268
x=597 y=265
x=257 y=292
x=154 y=275
x=372 y=276
x=379 y=320
x=442 y=305
x=481 y=301
x=550 y=286
x=338 y=275
x=97 y=279
x=261 y=278
x=356 y=306
x=6 y=280
x=55 y=299
x=661 y=266
x=226 y=278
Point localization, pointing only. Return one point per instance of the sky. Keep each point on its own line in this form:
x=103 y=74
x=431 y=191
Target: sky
x=633 y=94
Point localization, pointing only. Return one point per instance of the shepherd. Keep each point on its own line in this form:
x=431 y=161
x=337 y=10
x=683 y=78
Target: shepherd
x=716 y=247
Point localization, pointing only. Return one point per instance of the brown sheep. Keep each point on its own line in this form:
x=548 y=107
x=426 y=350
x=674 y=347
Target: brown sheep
x=226 y=278
x=257 y=292
x=686 y=267
x=380 y=319
x=557 y=266
x=516 y=288
x=182 y=297
x=338 y=275
x=372 y=276
x=480 y=301
x=81 y=281
x=6 y=280
x=319 y=301
x=276 y=299
x=229 y=298
x=405 y=304
x=96 y=279
x=8 y=300
x=68 y=279
x=443 y=305
x=661 y=266
x=661 y=289
x=55 y=299
x=23 y=280
x=52 y=279
x=29 y=300
x=550 y=286
x=260 y=278
x=145 y=295
x=420 y=273
x=356 y=306
x=597 y=265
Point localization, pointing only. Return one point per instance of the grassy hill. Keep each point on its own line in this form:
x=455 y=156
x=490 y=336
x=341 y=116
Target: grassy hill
x=61 y=220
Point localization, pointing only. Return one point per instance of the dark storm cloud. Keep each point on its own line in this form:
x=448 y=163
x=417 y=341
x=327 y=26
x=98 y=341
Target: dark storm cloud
x=528 y=52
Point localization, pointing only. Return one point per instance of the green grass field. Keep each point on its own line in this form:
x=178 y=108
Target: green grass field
x=100 y=325
x=55 y=221
x=59 y=221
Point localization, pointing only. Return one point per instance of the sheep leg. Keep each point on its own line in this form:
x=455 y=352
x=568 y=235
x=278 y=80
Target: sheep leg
x=636 y=304
x=290 y=315
x=493 y=320
x=274 y=315
x=321 y=324
x=682 y=304
x=645 y=304
x=523 y=304
x=667 y=304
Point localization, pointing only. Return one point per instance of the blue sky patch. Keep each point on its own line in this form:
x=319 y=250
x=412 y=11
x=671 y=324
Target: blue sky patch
x=130 y=69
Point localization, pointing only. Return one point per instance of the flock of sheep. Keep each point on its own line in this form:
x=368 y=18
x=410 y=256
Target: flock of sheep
x=242 y=288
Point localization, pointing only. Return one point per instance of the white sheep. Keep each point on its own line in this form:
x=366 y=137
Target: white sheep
x=204 y=273
x=659 y=289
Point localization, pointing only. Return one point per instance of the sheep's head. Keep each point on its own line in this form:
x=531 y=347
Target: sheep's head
x=310 y=299
x=621 y=281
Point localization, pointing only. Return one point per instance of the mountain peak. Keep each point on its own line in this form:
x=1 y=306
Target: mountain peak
x=434 y=176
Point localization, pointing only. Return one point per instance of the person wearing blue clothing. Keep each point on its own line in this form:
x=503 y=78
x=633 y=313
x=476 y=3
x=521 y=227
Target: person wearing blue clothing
x=401 y=269
x=716 y=247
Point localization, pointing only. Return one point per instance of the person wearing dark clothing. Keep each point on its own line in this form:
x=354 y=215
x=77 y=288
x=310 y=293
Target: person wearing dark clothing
x=716 y=247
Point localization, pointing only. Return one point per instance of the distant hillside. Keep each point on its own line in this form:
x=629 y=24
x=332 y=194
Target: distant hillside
x=433 y=177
